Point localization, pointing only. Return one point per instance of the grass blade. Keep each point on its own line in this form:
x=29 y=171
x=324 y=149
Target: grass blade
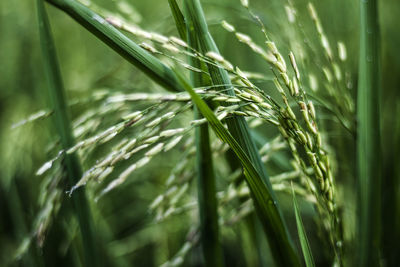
x=368 y=139
x=212 y=250
x=208 y=206
x=179 y=19
x=120 y=43
x=305 y=246
x=63 y=127
x=280 y=241
x=237 y=126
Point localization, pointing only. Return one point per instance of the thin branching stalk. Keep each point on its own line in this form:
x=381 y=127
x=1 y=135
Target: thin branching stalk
x=62 y=124
x=368 y=139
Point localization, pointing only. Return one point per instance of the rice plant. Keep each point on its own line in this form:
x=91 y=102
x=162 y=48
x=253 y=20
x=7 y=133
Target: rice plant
x=244 y=135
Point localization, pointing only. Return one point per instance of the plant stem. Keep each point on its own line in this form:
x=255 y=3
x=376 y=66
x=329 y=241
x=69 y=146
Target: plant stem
x=280 y=242
x=208 y=205
x=63 y=127
x=368 y=139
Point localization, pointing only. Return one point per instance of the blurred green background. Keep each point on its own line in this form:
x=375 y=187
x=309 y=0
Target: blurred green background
x=87 y=64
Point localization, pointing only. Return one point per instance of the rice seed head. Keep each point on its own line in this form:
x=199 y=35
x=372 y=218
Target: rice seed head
x=156 y=202
x=296 y=90
x=327 y=74
x=215 y=56
x=44 y=168
x=311 y=109
x=155 y=150
x=290 y=13
x=171 y=132
x=133 y=116
x=302 y=137
x=159 y=38
x=244 y=38
x=265 y=105
x=290 y=113
x=326 y=46
x=149 y=48
x=337 y=71
x=294 y=65
x=313 y=82
x=172 y=143
x=278 y=86
x=227 y=26
x=152 y=139
x=342 y=51
x=285 y=78
x=178 y=41
x=272 y=47
x=245 y=3
x=154 y=122
x=171 y=48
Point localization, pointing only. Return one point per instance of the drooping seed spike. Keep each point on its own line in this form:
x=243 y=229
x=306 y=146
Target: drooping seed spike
x=227 y=26
x=294 y=65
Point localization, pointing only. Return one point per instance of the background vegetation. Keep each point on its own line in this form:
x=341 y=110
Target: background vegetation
x=130 y=232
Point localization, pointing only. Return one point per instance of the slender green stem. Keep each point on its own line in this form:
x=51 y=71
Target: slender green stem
x=368 y=139
x=212 y=250
x=208 y=205
x=179 y=19
x=63 y=127
x=280 y=242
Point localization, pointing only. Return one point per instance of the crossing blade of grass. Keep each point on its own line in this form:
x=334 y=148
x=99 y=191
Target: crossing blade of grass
x=212 y=250
x=208 y=205
x=264 y=203
x=305 y=246
x=63 y=127
x=237 y=126
x=179 y=19
x=368 y=141
x=280 y=241
x=120 y=43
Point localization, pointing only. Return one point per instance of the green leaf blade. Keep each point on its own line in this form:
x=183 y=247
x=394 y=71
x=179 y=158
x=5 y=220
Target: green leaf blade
x=207 y=198
x=179 y=19
x=305 y=245
x=368 y=137
x=62 y=124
